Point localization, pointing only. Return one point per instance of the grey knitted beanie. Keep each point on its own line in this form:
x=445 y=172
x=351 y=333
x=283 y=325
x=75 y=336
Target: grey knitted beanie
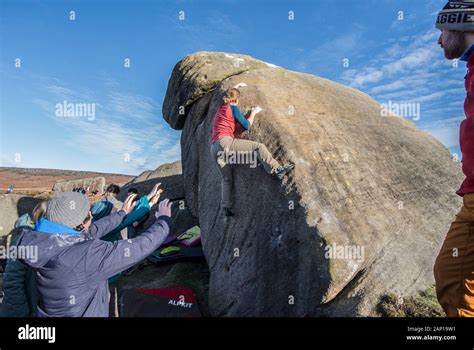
x=68 y=208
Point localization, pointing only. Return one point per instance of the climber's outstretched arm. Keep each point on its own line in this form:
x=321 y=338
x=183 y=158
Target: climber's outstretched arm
x=253 y=112
x=246 y=123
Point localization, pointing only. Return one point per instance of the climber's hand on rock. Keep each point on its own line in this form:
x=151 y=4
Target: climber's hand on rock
x=129 y=204
x=256 y=110
x=239 y=85
x=164 y=208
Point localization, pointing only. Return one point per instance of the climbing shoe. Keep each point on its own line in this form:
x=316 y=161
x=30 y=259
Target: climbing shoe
x=228 y=212
x=282 y=170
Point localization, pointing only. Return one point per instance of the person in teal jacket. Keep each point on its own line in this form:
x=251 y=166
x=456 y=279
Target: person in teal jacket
x=141 y=209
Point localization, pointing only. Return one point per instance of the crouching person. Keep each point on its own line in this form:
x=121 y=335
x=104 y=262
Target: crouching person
x=72 y=265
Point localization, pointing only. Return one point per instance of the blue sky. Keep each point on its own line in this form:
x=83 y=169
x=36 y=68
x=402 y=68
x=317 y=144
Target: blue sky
x=366 y=44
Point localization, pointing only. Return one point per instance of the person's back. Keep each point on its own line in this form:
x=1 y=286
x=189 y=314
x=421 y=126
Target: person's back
x=72 y=268
x=75 y=292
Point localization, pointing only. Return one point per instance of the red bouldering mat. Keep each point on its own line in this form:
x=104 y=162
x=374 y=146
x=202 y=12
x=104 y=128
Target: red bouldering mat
x=158 y=302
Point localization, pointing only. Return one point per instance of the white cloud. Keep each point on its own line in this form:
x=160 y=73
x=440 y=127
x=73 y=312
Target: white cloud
x=388 y=87
x=172 y=153
x=420 y=56
x=122 y=135
x=366 y=76
x=216 y=29
x=371 y=77
x=446 y=131
x=59 y=90
x=415 y=71
x=430 y=97
x=397 y=61
x=333 y=50
x=135 y=106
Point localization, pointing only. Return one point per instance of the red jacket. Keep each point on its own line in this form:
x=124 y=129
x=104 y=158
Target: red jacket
x=466 y=137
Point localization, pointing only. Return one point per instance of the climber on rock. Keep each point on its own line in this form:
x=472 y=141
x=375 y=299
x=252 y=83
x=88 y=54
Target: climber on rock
x=454 y=266
x=224 y=142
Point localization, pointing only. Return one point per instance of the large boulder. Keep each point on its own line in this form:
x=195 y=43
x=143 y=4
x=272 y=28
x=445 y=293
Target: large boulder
x=363 y=214
x=168 y=174
x=95 y=184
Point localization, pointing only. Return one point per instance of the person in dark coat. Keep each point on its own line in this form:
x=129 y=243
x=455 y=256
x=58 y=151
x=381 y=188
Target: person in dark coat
x=73 y=264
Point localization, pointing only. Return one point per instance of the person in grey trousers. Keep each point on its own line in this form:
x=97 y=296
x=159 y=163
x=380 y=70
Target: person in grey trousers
x=228 y=150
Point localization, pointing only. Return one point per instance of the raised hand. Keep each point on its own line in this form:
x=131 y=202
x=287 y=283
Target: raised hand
x=129 y=204
x=153 y=191
x=239 y=85
x=156 y=197
x=164 y=208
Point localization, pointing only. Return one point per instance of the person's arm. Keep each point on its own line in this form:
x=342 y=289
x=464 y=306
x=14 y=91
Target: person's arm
x=156 y=191
x=108 y=223
x=103 y=226
x=240 y=117
x=15 y=301
x=142 y=207
x=105 y=259
x=253 y=112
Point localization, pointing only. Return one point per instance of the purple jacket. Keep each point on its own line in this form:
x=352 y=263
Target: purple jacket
x=72 y=270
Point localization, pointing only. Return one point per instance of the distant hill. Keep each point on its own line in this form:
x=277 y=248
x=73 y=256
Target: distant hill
x=39 y=180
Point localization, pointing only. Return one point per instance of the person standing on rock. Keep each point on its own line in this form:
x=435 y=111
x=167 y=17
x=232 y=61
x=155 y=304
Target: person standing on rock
x=73 y=264
x=454 y=266
x=224 y=144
